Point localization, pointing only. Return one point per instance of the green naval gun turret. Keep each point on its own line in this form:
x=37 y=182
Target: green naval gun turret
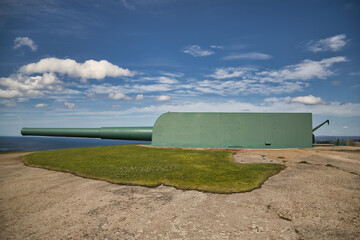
x=207 y=130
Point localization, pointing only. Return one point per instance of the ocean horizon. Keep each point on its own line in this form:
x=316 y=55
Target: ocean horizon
x=35 y=143
x=31 y=143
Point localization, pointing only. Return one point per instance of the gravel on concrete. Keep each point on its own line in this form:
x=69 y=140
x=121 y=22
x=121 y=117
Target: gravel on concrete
x=316 y=197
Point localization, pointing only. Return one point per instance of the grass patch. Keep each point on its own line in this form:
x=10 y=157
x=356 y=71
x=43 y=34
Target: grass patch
x=281 y=157
x=211 y=171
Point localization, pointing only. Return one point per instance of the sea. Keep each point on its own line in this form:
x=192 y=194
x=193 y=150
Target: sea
x=27 y=143
x=30 y=143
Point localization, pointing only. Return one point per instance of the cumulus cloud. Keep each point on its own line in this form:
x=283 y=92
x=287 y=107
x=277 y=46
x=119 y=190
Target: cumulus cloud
x=18 y=85
x=196 y=51
x=10 y=93
x=139 y=97
x=227 y=81
x=24 y=41
x=231 y=81
x=41 y=105
x=118 y=96
x=335 y=43
x=163 y=98
x=70 y=105
x=250 y=56
x=308 y=100
x=89 y=69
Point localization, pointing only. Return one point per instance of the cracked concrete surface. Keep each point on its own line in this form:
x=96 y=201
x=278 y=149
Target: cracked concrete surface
x=305 y=201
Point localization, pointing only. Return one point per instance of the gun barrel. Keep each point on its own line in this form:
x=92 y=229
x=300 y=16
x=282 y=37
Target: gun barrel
x=121 y=133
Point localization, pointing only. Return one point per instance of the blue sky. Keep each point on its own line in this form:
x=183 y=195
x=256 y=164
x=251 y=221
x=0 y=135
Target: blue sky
x=125 y=62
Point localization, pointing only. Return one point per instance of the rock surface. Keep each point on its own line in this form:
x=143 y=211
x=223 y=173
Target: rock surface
x=318 y=198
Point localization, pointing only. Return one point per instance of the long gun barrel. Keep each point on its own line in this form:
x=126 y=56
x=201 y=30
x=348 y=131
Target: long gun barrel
x=121 y=133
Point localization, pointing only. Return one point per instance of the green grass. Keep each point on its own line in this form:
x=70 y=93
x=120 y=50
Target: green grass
x=203 y=170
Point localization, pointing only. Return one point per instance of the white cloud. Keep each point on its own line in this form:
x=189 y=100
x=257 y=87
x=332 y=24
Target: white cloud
x=308 y=100
x=70 y=105
x=307 y=69
x=91 y=95
x=336 y=109
x=139 y=97
x=163 y=79
x=41 y=105
x=151 y=88
x=25 y=41
x=244 y=87
x=230 y=81
x=196 y=51
x=277 y=100
x=163 y=98
x=89 y=69
x=119 y=96
x=281 y=105
x=173 y=75
x=10 y=93
x=335 y=43
x=129 y=88
x=18 y=85
x=217 y=46
x=251 y=56
x=133 y=88
x=232 y=72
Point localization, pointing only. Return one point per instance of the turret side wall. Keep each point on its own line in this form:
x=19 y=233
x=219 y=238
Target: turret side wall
x=233 y=130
